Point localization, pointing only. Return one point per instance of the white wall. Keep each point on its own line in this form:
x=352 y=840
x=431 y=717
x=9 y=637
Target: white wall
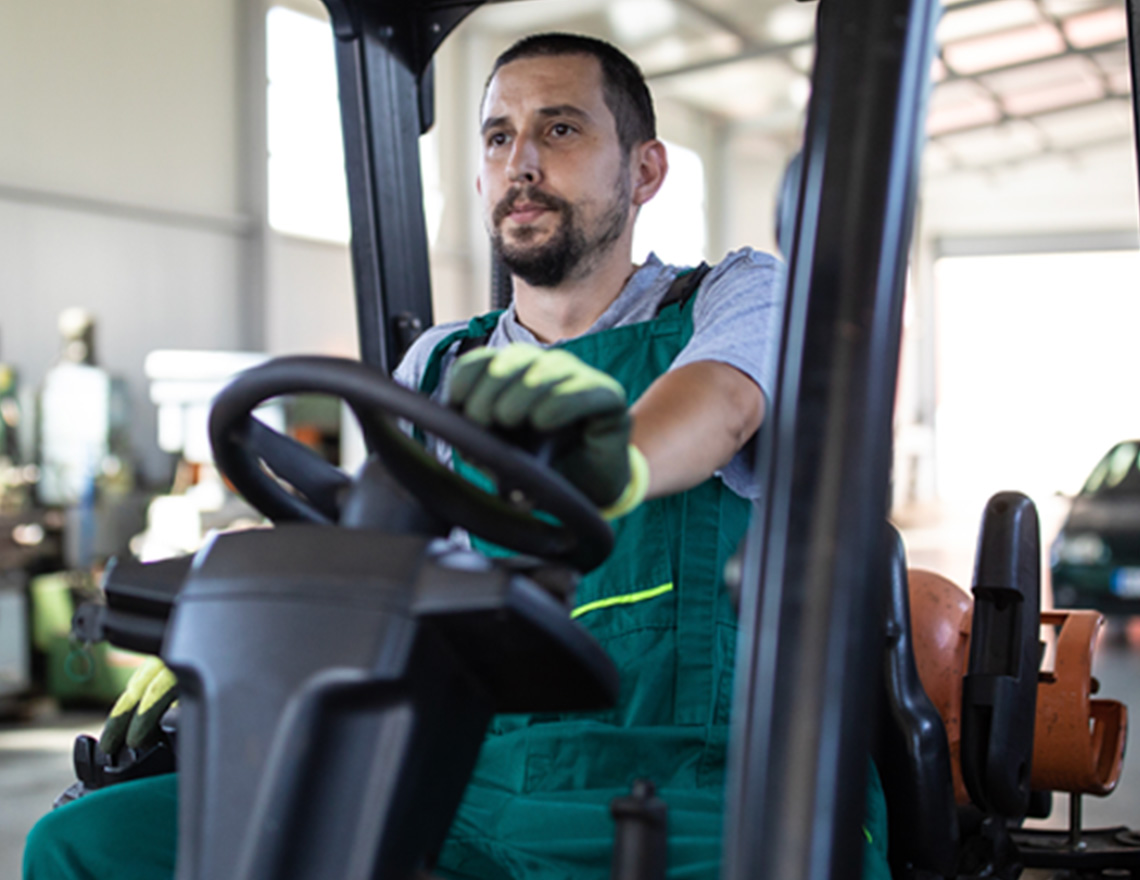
x=128 y=100
x=1095 y=190
x=752 y=166
x=309 y=307
x=119 y=182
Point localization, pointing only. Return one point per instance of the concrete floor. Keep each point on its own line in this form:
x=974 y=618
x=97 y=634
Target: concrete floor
x=35 y=766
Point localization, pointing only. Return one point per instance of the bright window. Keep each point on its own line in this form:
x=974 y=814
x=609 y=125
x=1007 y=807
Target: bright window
x=673 y=223
x=307 y=192
x=1034 y=352
x=308 y=196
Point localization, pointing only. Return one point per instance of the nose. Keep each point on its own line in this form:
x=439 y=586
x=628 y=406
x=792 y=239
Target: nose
x=524 y=165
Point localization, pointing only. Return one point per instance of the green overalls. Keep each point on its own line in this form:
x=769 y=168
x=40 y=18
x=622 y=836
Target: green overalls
x=538 y=805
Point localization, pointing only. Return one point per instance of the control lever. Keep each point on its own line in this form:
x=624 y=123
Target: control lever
x=999 y=697
x=640 y=838
x=95 y=769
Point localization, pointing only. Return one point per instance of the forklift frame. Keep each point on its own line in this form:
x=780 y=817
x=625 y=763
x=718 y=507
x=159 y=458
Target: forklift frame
x=815 y=571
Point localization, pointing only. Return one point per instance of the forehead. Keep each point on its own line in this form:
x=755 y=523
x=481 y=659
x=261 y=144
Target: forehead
x=527 y=85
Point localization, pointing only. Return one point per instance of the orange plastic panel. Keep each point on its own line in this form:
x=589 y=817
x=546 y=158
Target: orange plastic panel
x=1078 y=741
x=941 y=613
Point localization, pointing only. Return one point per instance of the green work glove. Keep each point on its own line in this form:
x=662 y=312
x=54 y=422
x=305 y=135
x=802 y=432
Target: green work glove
x=135 y=717
x=547 y=390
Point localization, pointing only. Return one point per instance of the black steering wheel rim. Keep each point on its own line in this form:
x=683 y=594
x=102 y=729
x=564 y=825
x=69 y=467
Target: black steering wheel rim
x=578 y=537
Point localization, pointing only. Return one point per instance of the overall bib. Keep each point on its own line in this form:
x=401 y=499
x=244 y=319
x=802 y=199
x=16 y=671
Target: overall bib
x=538 y=804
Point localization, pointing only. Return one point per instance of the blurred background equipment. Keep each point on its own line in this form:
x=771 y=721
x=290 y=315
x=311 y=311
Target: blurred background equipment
x=84 y=455
x=182 y=386
x=82 y=418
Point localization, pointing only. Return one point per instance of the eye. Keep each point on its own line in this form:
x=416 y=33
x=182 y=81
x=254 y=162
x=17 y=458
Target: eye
x=561 y=129
x=496 y=139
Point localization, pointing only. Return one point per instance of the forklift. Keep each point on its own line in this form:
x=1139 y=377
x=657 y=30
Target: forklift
x=399 y=652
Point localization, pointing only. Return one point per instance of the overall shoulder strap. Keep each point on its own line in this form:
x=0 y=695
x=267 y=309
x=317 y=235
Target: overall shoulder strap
x=479 y=328
x=469 y=342
x=477 y=332
x=684 y=286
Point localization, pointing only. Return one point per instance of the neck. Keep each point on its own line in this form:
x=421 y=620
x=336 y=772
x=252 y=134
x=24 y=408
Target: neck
x=571 y=308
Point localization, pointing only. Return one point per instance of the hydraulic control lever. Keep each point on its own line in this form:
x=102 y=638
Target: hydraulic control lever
x=140 y=596
x=95 y=769
x=999 y=696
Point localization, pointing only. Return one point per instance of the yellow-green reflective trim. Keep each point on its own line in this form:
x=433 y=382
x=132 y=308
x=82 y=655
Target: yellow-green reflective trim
x=627 y=599
x=867 y=834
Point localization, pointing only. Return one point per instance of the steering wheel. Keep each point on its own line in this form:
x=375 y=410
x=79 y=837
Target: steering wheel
x=244 y=447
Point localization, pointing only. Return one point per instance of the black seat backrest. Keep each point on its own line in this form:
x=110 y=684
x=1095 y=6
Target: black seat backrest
x=912 y=750
x=788 y=203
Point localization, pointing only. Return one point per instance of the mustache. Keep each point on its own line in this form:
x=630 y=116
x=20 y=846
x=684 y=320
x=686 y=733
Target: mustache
x=529 y=195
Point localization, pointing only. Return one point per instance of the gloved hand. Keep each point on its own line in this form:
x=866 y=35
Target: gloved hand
x=548 y=390
x=134 y=719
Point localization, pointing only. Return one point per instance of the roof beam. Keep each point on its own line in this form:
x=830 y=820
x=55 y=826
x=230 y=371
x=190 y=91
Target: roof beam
x=1029 y=117
x=775 y=50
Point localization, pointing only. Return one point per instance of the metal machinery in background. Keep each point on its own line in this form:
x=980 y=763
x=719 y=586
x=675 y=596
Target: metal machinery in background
x=817 y=570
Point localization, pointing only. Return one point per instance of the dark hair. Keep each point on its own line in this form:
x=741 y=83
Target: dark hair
x=623 y=85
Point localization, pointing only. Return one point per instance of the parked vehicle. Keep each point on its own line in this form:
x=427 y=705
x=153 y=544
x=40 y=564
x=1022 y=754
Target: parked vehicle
x=1096 y=557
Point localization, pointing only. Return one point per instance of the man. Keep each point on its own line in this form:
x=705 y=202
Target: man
x=569 y=155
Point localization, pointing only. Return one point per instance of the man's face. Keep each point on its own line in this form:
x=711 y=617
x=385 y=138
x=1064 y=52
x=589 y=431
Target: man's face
x=554 y=180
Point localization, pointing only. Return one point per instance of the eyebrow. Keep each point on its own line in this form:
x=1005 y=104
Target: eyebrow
x=556 y=110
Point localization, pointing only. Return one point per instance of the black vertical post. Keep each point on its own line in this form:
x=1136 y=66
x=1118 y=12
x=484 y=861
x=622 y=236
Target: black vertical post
x=380 y=114
x=815 y=575
x=1133 y=7
x=383 y=57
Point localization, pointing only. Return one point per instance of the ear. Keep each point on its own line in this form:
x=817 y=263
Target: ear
x=649 y=164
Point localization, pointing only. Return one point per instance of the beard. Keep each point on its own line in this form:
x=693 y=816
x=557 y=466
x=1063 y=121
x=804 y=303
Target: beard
x=571 y=251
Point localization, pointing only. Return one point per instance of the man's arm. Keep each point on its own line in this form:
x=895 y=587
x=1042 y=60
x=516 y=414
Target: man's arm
x=692 y=421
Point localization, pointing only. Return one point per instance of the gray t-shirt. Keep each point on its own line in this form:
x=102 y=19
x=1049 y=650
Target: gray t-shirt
x=736 y=321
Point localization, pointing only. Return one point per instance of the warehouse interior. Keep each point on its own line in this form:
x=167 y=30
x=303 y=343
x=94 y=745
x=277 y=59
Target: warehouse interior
x=172 y=174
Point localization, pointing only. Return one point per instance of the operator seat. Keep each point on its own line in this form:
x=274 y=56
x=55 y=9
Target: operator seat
x=912 y=751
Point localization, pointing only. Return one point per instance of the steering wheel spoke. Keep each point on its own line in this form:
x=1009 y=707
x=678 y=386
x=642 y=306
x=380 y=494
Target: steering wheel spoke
x=321 y=483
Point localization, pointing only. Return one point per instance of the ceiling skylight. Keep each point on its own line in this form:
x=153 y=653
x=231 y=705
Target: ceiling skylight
x=1096 y=28
x=1062 y=8
x=790 y=23
x=958 y=105
x=956 y=117
x=638 y=21
x=973 y=21
x=1003 y=49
